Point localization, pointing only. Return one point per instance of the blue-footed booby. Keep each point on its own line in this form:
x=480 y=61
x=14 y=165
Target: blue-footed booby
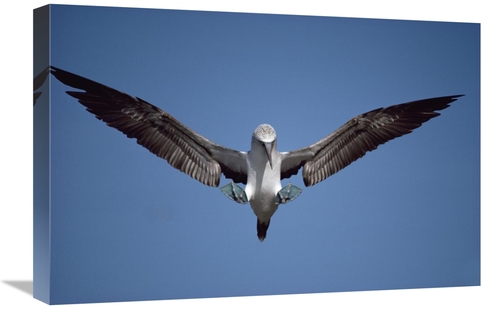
x=263 y=167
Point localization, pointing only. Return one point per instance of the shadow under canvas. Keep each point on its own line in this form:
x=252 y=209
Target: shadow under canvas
x=25 y=286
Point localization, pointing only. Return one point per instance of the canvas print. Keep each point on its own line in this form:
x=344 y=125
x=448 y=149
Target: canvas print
x=189 y=154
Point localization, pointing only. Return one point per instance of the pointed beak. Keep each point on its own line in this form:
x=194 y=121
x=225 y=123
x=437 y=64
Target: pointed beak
x=269 y=152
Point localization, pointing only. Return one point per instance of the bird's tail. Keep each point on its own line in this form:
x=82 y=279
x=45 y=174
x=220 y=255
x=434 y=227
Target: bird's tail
x=262 y=229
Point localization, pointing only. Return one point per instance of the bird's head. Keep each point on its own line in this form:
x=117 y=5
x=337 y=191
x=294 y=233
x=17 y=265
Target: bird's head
x=265 y=136
x=264 y=133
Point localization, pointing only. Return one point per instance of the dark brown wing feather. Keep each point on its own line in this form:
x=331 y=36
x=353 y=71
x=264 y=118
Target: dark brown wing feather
x=38 y=82
x=359 y=135
x=157 y=131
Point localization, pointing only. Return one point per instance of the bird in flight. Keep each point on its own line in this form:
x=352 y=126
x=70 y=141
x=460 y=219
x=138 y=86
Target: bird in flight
x=261 y=168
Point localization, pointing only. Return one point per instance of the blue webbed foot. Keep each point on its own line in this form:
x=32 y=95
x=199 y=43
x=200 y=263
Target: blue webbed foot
x=287 y=194
x=235 y=193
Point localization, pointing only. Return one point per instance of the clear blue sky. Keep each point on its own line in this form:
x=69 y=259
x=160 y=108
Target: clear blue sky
x=127 y=226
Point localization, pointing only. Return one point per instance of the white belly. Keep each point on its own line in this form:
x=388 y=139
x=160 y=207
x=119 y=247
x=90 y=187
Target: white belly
x=263 y=183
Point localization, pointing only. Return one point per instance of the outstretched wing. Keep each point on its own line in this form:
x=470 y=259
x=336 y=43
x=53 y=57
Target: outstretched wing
x=359 y=135
x=38 y=82
x=157 y=131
